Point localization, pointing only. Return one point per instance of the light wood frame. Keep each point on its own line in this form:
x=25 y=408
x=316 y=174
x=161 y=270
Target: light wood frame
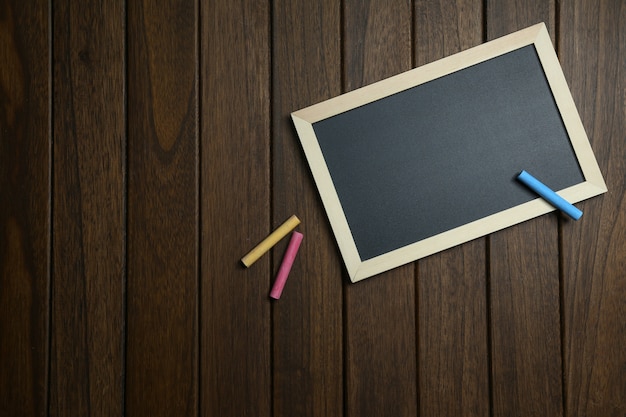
x=536 y=35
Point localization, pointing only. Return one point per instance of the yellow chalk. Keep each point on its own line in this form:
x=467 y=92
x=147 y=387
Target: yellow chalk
x=270 y=241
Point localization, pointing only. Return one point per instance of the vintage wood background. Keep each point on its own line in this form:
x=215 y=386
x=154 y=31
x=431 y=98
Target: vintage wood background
x=146 y=146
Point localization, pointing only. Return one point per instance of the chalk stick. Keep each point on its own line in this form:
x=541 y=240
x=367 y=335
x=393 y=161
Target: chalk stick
x=267 y=243
x=285 y=266
x=549 y=195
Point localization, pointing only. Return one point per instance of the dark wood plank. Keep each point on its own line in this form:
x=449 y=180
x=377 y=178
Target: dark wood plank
x=525 y=342
x=380 y=312
x=524 y=280
x=25 y=209
x=235 y=333
x=377 y=41
x=87 y=329
x=453 y=349
x=506 y=16
x=443 y=28
x=452 y=303
x=162 y=298
x=592 y=52
x=307 y=320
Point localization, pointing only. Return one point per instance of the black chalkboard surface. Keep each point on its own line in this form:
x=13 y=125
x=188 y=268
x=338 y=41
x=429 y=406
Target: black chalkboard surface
x=427 y=160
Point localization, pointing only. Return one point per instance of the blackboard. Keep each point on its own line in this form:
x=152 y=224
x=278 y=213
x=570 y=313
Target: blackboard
x=427 y=160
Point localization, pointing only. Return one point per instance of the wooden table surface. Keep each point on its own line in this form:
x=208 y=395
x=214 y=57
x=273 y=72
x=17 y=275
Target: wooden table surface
x=146 y=146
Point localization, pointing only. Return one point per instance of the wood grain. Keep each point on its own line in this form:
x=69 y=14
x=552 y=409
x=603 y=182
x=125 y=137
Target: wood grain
x=452 y=322
x=25 y=141
x=524 y=281
x=380 y=314
x=525 y=341
x=163 y=226
x=86 y=371
x=593 y=55
x=452 y=297
x=128 y=199
x=506 y=16
x=443 y=28
x=307 y=348
x=235 y=190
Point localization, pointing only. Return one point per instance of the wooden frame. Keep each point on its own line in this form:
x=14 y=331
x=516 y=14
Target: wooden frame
x=304 y=119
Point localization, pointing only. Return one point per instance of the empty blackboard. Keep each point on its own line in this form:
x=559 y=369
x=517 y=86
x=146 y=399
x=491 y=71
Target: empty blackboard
x=427 y=160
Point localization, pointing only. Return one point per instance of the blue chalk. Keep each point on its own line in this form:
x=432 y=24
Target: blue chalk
x=549 y=195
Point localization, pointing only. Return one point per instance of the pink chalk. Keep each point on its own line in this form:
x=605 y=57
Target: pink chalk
x=285 y=266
